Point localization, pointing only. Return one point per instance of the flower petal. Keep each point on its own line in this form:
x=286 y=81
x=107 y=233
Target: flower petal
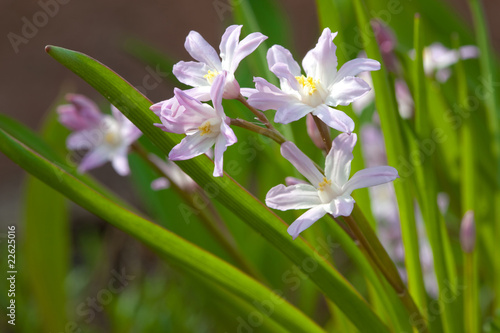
x=289 y=181
x=468 y=52
x=216 y=93
x=191 y=146
x=287 y=79
x=301 y=162
x=220 y=148
x=341 y=206
x=82 y=140
x=306 y=220
x=81 y=114
x=278 y=54
x=300 y=196
x=338 y=160
x=228 y=45
x=345 y=91
x=120 y=162
x=292 y=112
x=370 y=177
x=95 y=158
x=334 y=118
x=200 y=50
x=191 y=73
x=356 y=66
x=321 y=62
x=246 y=47
x=160 y=184
x=268 y=96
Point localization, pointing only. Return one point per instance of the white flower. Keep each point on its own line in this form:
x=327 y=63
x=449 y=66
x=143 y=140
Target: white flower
x=329 y=193
x=322 y=86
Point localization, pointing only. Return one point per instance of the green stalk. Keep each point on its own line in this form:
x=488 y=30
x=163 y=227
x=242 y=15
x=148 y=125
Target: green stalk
x=166 y=244
x=489 y=78
x=396 y=154
x=468 y=191
x=427 y=192
x=209 y=217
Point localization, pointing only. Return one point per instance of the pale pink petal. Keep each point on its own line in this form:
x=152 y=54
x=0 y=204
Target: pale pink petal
x=247 y=92
x=321 y=62
x=370 y=177
x=200 y=93
x=301 y=162
x=228 y=133
x=338 y=160
x=286 y=77
x=306 y=220
x=292 y=112
x=120 y=162
x=468 y=52
x=356 y=66
x=220 y=148
x=160 y=184
x=191 y=73
x=81 y=114
x=334 y=118
x=200 y=50
x=289 y=181
x=301 y=196
x=191 y=146
x=216 y=93
x=95 y=158
x=278 y=54
x=268 y=96
x=231 y=88
x=156 y=108
x=245 y=47
x=128 y=130
x=347 y=90
x=341 y=206
x=228 y=45
x=83 y=140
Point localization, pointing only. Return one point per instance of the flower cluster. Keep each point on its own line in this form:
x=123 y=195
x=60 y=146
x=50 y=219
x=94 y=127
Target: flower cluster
x=314 y=93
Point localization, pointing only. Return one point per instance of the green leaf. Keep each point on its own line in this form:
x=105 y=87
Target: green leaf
x=224 y=189
x=46 y=243
x=167 y=244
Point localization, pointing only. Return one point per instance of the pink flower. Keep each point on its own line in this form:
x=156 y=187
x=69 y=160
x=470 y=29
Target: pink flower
x=107 y=137
x=201 y=74
x=321 y=87
x=204 y=126
x=329 y=193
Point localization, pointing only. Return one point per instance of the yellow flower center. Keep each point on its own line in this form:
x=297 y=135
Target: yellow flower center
x=210 y=76
x=308 y=84
x=324 y=184
x=205 y=128
x=112 y=138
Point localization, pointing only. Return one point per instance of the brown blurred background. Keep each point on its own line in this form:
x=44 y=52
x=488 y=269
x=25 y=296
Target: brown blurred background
x=31 y=80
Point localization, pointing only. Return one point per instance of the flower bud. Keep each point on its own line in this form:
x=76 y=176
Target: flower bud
x=313 y=132
x=468 y=232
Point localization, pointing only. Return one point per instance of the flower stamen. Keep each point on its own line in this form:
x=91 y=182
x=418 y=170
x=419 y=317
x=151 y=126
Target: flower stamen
x=308 y=84
x=205 y=128
x=324 y=183
x=210 y=76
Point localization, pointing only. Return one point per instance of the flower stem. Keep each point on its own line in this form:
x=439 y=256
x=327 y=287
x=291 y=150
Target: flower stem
x=210 y=217
x=274 y=135
x=371 y=244
x=325 y=133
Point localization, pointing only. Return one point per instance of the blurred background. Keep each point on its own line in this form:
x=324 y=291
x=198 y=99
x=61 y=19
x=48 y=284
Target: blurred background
x=31 y=82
